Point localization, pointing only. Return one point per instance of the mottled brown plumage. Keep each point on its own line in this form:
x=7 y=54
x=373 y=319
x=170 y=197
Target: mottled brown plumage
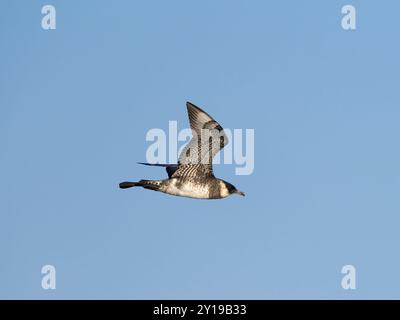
x=193 y=175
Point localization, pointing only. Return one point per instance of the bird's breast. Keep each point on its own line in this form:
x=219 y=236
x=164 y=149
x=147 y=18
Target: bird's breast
x=189 y=188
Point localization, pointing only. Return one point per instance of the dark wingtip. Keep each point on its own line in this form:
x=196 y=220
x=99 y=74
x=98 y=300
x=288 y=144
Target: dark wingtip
x=190 y=105
x=193 y=109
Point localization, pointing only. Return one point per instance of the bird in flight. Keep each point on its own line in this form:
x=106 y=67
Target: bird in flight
x=193 y=176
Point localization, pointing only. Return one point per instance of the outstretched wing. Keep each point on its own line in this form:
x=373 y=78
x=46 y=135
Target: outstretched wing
x=170 y=168
x=208 y=139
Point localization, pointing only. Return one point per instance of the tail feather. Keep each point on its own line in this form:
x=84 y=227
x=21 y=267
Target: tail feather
x=147 y=184
x=127 y=184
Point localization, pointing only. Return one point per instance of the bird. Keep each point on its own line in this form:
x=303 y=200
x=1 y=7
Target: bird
x=193 y=175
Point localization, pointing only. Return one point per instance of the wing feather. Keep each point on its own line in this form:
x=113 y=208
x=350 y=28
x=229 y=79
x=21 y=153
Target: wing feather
x=208 y=139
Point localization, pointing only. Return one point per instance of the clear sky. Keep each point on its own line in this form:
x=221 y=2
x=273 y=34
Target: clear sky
x=76 y=104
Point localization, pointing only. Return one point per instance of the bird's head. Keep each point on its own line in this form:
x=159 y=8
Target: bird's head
x=231 y=189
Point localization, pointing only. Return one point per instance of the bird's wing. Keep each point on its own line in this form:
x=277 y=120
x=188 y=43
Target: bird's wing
x=171 y=168
x=208 y=139
x=193 y=170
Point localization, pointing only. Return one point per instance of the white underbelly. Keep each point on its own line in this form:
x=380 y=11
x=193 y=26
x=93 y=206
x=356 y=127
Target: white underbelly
x=188 y=189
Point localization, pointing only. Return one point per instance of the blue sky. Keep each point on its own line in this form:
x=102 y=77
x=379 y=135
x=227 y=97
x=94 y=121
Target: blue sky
x=77 y=102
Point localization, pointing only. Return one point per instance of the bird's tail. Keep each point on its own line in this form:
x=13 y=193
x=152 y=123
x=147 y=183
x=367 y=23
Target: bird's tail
x=127 y=184
x=147 y=184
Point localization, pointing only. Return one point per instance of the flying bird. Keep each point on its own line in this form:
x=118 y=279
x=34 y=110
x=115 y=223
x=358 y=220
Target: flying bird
x=193 y=176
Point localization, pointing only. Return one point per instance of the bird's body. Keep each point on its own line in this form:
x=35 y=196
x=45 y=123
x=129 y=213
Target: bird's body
x=198 y=188
x=193 y=176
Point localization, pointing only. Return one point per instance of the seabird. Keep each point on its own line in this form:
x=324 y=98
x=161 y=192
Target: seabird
x=193 y=176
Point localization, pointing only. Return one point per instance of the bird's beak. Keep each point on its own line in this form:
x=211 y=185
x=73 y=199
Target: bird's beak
x=240 y=193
